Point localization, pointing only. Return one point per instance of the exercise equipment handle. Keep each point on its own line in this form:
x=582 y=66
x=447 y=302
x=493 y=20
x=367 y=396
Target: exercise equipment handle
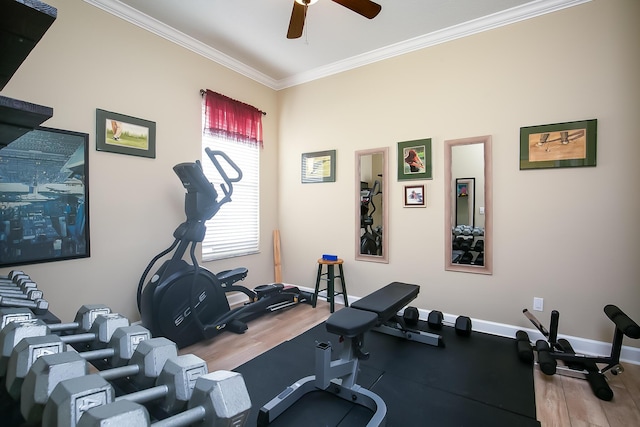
x=622 y=321
x=375 y=190
x=536 y=322
x=228 y=188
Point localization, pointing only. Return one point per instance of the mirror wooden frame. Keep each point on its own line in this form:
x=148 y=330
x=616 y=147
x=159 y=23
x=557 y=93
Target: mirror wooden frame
x=450 y=191
x=384 y=205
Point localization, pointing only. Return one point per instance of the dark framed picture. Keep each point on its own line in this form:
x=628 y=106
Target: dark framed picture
x=122 y=134
x=414 y=160
x=414 y=196
x=44 y=197
x=319 y=167
x=558 y=145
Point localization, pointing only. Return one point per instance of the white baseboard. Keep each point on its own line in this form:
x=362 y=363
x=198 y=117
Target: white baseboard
x=580 y=345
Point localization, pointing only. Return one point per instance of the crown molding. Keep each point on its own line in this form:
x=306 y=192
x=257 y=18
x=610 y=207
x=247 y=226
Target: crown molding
x=139 y=19
x=486 y=23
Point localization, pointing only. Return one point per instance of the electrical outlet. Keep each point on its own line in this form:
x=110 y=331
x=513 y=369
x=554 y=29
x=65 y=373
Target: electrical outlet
x=538 y=304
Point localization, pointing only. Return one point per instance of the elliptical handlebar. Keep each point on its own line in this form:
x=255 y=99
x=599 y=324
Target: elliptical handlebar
x=228 y=188
x=375 y=190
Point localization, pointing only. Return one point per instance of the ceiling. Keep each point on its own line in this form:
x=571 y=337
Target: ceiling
x=249 y=36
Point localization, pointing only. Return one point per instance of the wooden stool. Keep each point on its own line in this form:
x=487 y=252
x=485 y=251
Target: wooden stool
x=330 y=278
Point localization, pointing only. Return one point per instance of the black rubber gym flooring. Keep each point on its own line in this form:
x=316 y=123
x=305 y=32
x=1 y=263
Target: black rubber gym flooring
x=473 y=381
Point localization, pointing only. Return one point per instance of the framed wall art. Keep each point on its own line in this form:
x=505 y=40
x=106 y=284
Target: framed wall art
x=44 y=197
x=559 y=145
x=414 y=196
x=319 y=167
x=122 y=134
x=414 y=160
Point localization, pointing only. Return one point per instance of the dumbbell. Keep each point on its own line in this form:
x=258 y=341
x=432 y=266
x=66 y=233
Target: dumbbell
x=85 y=316
x=12 y=274
x=19 y=284
x=10 y=337
x=462 y=324
x=13 y=333
x=411 y=316
x=13 y=277
x=219 y=399
x=156 y=361
x=40 y=306
x=120 y=350
x=435 y=319
x=150 y=364
x=31 y=294
x=14 y=314
x=32 y=347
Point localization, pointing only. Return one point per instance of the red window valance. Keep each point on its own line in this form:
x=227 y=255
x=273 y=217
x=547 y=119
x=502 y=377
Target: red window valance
x=232 y=119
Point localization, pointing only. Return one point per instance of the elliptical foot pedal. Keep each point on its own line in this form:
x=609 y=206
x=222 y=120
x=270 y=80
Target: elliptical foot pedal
x=237 y=326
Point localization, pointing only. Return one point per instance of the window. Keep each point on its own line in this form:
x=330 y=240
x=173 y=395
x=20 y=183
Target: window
x=234 y=230
x=234 y=128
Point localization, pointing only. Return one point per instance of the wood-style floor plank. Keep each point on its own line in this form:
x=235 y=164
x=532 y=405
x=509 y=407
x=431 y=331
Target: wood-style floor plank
x=228 y=350
x=583 y=405
x=560 y=401
x=551 y=409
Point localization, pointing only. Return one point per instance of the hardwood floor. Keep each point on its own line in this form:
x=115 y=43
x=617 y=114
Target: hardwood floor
x=560 y=401
x=563 y=401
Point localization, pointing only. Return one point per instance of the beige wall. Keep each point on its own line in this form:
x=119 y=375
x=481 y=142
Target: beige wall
x=89 y=59
x=567 y=235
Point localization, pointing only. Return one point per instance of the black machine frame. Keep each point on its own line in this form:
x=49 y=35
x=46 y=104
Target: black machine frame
x=187 y=303
x=555 y=349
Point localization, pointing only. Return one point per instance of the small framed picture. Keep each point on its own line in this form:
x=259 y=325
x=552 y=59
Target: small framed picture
x=318 y=167
x=122 y=134
x=414 y=196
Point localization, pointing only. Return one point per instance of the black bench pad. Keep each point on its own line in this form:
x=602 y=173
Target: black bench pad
x=350 y=322
x=387 y=301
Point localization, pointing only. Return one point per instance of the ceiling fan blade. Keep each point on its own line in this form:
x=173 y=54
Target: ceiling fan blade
x=296 y=24
x=366 y=8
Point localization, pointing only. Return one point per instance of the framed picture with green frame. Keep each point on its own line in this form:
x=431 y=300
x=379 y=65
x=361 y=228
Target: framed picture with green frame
x=414 y=160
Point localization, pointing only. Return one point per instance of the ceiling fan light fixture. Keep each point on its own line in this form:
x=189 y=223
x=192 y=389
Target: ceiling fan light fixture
x=366 y=8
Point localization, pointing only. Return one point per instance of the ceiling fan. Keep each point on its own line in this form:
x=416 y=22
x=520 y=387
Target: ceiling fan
x=366 y=8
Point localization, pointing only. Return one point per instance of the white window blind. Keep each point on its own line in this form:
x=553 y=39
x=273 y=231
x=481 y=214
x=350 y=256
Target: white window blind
x=234 y=230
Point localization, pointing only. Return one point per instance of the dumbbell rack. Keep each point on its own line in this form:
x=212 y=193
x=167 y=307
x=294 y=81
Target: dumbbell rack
x=471 y=247
x=10 y=411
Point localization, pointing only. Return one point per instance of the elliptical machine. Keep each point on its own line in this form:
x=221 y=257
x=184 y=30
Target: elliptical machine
x=187 y=303
x=371 y=238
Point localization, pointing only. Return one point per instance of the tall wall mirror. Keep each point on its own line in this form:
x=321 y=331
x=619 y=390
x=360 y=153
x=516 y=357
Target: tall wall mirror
x=468 y=205
x=371 y=183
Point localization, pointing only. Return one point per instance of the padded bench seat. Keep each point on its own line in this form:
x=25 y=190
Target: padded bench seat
x=350 y=322
x=387 y=301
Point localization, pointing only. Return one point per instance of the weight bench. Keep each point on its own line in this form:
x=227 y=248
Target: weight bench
x=386 y=302
x=377 y=311
x=337 y=377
